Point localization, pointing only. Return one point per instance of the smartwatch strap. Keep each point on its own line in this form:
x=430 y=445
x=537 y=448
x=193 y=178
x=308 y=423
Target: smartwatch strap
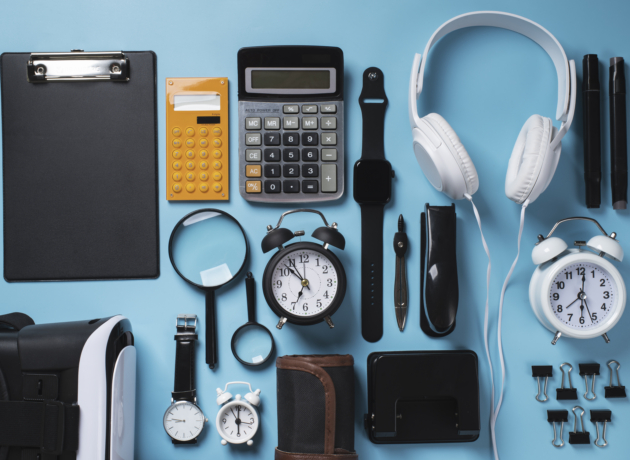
x=185 y=340
x=372 y=271
x=373 y=114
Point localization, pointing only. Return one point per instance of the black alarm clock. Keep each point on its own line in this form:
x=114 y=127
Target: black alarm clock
x=304 y=283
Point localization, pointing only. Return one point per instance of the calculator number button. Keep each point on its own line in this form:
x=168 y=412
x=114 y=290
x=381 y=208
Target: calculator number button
x=190 y=154
x=190 y=176
x=252 y=123
x=310 y=186
x=272 y=186
x=252 y=154
x=291 y=170
x=177 y=154
x=291 y=123
x=329 y=122
x=253 y=186
x=310 y=138
x=329 y=154
x=309 y=123
x=272 y=154
x=329 y=108
x=309 y=109
x=272 y=123
x=290 y=109
x=253 y=139
x=310 y=170
x=291 y=155
x=309 y=154
x=272 y=138
x=190 y=165
x=253 y=171
x=290 y=139
x=329 y=139
x=272 y=170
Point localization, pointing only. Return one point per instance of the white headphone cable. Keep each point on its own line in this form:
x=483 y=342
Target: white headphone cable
x=486 y=318
x=495 y=415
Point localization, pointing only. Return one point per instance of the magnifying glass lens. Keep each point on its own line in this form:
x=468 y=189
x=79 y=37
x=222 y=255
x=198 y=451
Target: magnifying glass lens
x=252 y=343
x=208 y=249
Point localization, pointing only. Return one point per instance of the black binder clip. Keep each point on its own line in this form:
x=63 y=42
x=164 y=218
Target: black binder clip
x=579 y=437
x=585 y=371
x=603 y=416
x=563 y=393
x=614 y=391
x=542 y=371
x=559 y=416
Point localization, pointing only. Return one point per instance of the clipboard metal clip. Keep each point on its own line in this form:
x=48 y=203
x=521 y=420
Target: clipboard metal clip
x=78 y=65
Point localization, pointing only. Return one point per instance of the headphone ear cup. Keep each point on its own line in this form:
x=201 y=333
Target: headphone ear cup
x=527 y=158
x=457 y=149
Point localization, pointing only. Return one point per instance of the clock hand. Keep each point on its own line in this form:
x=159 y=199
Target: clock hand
x=589 y=311
x=232 y=410
x=296 y=273
x=572 y=302
x=298 y=298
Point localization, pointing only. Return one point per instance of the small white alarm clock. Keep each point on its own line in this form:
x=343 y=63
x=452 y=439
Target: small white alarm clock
x=237 y=421
x=577 y=292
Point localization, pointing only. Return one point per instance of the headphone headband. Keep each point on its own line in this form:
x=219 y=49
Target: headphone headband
x=507 y=21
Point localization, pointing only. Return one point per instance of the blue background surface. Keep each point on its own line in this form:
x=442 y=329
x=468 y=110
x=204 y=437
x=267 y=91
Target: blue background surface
x=485 y=82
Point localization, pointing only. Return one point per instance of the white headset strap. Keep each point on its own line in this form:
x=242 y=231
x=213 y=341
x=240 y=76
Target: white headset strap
x=501 y=20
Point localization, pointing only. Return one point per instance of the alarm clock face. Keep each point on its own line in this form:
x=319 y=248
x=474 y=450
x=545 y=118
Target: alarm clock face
x=583 y=295
x=305 y=282
x=237 y=422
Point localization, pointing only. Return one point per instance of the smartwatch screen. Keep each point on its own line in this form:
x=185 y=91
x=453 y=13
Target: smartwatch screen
x=372 y=181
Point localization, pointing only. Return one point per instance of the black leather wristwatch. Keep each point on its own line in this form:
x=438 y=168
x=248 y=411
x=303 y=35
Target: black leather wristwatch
x=184 y=420
x=372 y=190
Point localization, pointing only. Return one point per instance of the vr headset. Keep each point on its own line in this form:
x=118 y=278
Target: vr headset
x=67 y=390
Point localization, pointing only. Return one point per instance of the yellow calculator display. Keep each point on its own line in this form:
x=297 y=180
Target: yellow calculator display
x=197 y=166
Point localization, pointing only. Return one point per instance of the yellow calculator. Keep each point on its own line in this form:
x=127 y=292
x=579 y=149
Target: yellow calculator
x=197 y=141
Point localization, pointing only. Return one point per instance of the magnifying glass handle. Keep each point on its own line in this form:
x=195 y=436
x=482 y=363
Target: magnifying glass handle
x=211 y=330
x=250 y=287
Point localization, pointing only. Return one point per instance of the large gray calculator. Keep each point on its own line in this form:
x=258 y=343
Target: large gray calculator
x=291 y=123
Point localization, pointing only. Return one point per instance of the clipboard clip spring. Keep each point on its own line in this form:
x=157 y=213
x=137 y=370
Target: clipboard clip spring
x=78 y=65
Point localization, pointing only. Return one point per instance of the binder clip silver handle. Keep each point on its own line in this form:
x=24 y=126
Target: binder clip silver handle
x=603 y=435
x=568 y=374
x=592 y=388
x=555 y=437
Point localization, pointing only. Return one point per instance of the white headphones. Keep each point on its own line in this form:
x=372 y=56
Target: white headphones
x=440 y=153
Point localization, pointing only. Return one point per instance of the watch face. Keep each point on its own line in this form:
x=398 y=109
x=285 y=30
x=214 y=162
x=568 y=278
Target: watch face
x=372 y=181
x=583 y=295
x=183 y=421
x=237 y=422
x=305 y=282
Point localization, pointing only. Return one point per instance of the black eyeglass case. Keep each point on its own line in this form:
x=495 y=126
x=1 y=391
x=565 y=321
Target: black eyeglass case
x=315 y=396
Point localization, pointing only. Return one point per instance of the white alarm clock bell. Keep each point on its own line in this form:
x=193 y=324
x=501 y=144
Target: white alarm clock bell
x=577 y=292
x=237 y=421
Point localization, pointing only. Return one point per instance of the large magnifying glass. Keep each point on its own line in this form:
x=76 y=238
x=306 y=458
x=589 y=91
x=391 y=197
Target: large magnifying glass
x=252 y=343
x=208 y=249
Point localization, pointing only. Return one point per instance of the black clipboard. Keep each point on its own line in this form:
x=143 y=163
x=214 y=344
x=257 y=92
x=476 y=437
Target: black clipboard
x=79 y=166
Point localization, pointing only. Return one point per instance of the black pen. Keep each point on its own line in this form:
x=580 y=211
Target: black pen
x=618 y=134
x=592 y=131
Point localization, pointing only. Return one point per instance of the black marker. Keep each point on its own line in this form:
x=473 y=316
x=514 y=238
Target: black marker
x=618 y=134
x=592 y=131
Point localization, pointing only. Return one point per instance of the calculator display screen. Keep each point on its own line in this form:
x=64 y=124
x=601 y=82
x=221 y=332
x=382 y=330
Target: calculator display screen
x=291 y=79
x=197 y=102
x=296 y=80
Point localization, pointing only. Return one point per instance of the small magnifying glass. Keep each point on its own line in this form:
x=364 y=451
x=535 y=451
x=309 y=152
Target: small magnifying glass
x=208 y=249
x=252 y=343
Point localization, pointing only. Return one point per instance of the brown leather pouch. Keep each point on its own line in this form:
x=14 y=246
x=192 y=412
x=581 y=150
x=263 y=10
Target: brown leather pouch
x=315 y=407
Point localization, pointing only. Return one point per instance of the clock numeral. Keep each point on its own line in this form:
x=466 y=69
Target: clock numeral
x=304 y=258
x=559 y=308
x=284 y=297
x=325 y=269
x=292 y=262
x=238 y=435
x=581 y=320
x=594 y=316
x=224 y=421
x=580 y=271
x=278 y=284
x=569 y=275
x=570 y=316
x=317 y=260
x=326 y=294
x=559 y=284
x=606 y=294
x=251 y=420
x=305 y=306
x=329 y=282
x=602 y=283
x=604 y=306
x=556 y=296
x=284 y=271
x=593 y=273
x=319 y=303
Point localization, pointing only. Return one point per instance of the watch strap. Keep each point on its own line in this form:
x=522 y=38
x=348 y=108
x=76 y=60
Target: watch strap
x=373 y=114
x=372 y=271
x=185 y=340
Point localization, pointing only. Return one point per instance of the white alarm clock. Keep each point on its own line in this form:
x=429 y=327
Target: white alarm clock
x=577 y=292
x=237 y=420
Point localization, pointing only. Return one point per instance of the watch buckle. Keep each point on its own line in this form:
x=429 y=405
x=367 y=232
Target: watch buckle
x=183 y=322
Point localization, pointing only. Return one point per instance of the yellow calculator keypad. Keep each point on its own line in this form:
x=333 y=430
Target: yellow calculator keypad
x=197 y=139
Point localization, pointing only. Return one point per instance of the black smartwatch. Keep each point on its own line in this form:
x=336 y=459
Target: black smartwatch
x=183 y=420
x=372 y=190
